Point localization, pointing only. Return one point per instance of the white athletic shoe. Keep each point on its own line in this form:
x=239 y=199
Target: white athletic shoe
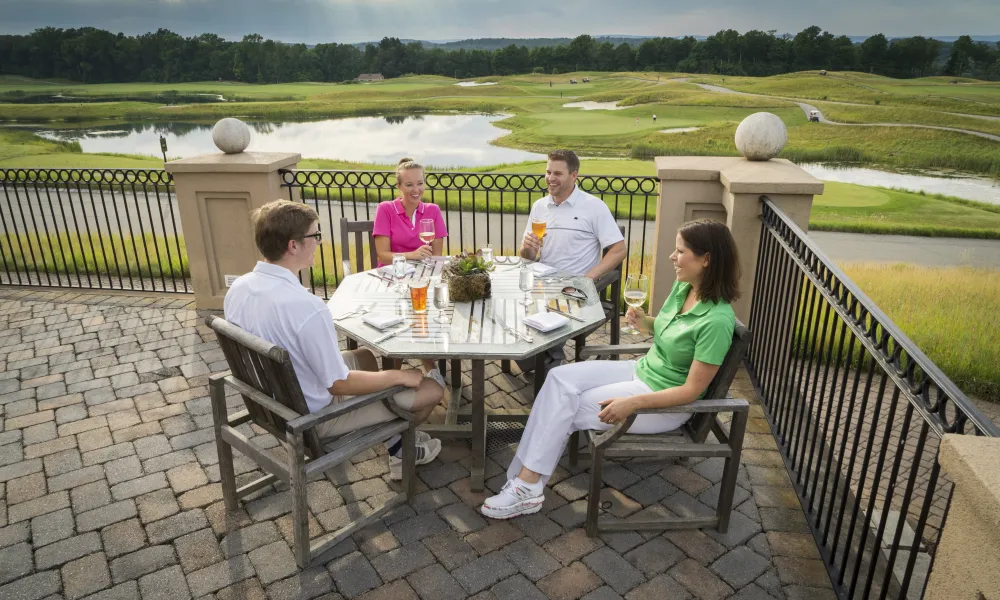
x=427 y=450
x=513 y=500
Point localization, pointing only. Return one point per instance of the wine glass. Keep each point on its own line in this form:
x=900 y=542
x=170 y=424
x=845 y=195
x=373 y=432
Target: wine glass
x=526 y=281
x=635 y=295
x=399 y=270
x=441 y=302
x=486 y=250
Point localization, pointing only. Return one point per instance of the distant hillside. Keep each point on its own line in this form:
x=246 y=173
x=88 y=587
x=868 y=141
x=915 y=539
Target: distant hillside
x=497 y=43
x=631 y=40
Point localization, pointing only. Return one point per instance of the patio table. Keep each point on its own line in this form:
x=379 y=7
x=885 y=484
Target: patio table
x=472 y=334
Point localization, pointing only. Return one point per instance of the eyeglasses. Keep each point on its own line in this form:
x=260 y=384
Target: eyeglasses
x=318 y=235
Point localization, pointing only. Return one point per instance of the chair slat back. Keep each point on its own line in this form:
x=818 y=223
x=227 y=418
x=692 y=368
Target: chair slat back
x=267 y=368
x=359 y=229
x=701 y=423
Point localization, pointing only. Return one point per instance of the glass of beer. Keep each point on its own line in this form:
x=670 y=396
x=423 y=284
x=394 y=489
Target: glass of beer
x=418 y=295
x=635 y=295
x=538 y=223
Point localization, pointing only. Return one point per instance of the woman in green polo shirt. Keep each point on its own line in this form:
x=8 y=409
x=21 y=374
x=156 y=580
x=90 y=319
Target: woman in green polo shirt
x=691 y=336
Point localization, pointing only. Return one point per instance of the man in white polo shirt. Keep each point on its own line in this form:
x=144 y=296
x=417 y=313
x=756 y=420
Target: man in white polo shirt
x=578 y=227
x=271 y=303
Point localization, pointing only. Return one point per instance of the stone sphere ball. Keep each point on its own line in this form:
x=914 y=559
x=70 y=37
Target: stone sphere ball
x=761 y=136
x=230 y=135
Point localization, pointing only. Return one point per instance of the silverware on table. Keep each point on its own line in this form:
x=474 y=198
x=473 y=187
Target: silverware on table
x=565 y=314
x=391 y=334
x=382 y=277
x=360 y=310
x=499 y=321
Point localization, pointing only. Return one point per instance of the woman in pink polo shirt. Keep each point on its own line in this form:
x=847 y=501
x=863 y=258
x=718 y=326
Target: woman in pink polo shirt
x=397 y=222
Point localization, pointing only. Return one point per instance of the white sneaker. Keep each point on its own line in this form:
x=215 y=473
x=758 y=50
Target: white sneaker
x=427 y=451
x=513 y=500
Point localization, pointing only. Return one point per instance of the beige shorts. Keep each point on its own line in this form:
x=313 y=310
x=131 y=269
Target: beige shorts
x=366 y=416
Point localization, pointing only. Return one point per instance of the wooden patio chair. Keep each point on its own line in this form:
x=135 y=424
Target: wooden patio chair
x=690 y=440
x=263 y=374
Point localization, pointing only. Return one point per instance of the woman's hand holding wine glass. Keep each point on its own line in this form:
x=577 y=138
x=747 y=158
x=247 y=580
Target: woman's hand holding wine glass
x=635 y=296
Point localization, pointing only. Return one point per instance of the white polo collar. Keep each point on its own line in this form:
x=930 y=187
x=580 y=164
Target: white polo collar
x=266 y=268
x=570 y=200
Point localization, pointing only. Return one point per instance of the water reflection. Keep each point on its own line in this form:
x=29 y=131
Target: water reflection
x=440 y=140
x=969 y=187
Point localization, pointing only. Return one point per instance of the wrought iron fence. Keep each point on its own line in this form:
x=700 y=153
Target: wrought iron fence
x=478 y=208
x=858 y=412
x=91 y=228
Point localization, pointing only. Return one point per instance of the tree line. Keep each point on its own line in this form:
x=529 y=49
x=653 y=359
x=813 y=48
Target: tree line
x=93 y=55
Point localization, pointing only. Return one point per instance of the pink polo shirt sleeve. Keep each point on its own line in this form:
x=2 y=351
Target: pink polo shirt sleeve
x=383 y=219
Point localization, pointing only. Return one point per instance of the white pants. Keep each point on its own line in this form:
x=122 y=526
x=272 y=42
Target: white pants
x=568 y=402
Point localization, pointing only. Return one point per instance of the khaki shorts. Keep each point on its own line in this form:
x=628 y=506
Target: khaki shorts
x=365 y=416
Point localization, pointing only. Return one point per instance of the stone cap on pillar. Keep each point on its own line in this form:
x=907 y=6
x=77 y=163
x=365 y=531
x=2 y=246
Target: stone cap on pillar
x=972 y=463
x=243 y=162
x=739 y=175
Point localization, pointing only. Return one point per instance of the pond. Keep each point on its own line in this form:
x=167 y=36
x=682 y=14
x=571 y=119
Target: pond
x=439 y=140
x=970 y=187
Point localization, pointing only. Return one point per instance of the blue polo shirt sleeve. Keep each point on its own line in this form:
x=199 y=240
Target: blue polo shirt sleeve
x=714 y=337
x=317 y=340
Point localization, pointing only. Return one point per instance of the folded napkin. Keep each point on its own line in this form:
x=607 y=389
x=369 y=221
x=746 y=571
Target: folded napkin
x=541 y=269
x=382 y=320
x=546 y=321
x=388 y=272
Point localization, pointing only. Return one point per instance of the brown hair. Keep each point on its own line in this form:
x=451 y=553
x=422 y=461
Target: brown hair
x=567 y=156
x=721 y=280
x=277 y=222
x=405 y=164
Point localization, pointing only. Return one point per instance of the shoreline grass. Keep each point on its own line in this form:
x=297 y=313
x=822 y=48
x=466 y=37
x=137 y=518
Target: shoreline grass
x=941 y=310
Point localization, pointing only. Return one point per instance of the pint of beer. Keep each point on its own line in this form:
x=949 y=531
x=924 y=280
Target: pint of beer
x=418 y=295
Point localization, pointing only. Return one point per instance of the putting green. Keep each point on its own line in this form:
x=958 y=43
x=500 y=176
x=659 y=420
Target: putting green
x=849 y=195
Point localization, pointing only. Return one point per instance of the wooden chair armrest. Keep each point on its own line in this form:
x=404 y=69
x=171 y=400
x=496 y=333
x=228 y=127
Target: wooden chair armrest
x=608 y=350
x=701 y=406
x=258 y=398
x=602 y=282
x=338 y=409
x=698 y=406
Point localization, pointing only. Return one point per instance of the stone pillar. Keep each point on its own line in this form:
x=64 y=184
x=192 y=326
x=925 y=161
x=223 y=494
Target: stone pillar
x=967 y=562
x=727 y=189
x=215 y=194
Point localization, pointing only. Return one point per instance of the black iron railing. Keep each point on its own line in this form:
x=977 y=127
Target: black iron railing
x=858 y=412
x=91 y=228
x=478 y=208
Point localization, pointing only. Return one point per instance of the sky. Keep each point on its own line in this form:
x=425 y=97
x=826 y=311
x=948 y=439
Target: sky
x=348 y=21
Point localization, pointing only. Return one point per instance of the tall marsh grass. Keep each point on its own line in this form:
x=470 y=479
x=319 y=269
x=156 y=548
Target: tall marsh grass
x=111 y=255
x=949 y=313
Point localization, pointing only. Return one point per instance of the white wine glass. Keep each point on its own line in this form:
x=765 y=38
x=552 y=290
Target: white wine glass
x=635 y=294
x=441 y=302
x=526 y=282
x=399 y=270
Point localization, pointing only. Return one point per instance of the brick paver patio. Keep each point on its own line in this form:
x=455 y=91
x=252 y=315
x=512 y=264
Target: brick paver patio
x=109 y=490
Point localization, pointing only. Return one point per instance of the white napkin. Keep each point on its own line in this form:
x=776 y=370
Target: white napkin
x=382 y=320
x=546 y=321
x=541 y=269
x=388 y=272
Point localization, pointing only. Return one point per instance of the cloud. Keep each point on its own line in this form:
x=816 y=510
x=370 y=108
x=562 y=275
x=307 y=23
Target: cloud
x=314 y=21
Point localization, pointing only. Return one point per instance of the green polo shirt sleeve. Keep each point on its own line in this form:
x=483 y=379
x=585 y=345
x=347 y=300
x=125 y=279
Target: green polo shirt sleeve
x=703 y=333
